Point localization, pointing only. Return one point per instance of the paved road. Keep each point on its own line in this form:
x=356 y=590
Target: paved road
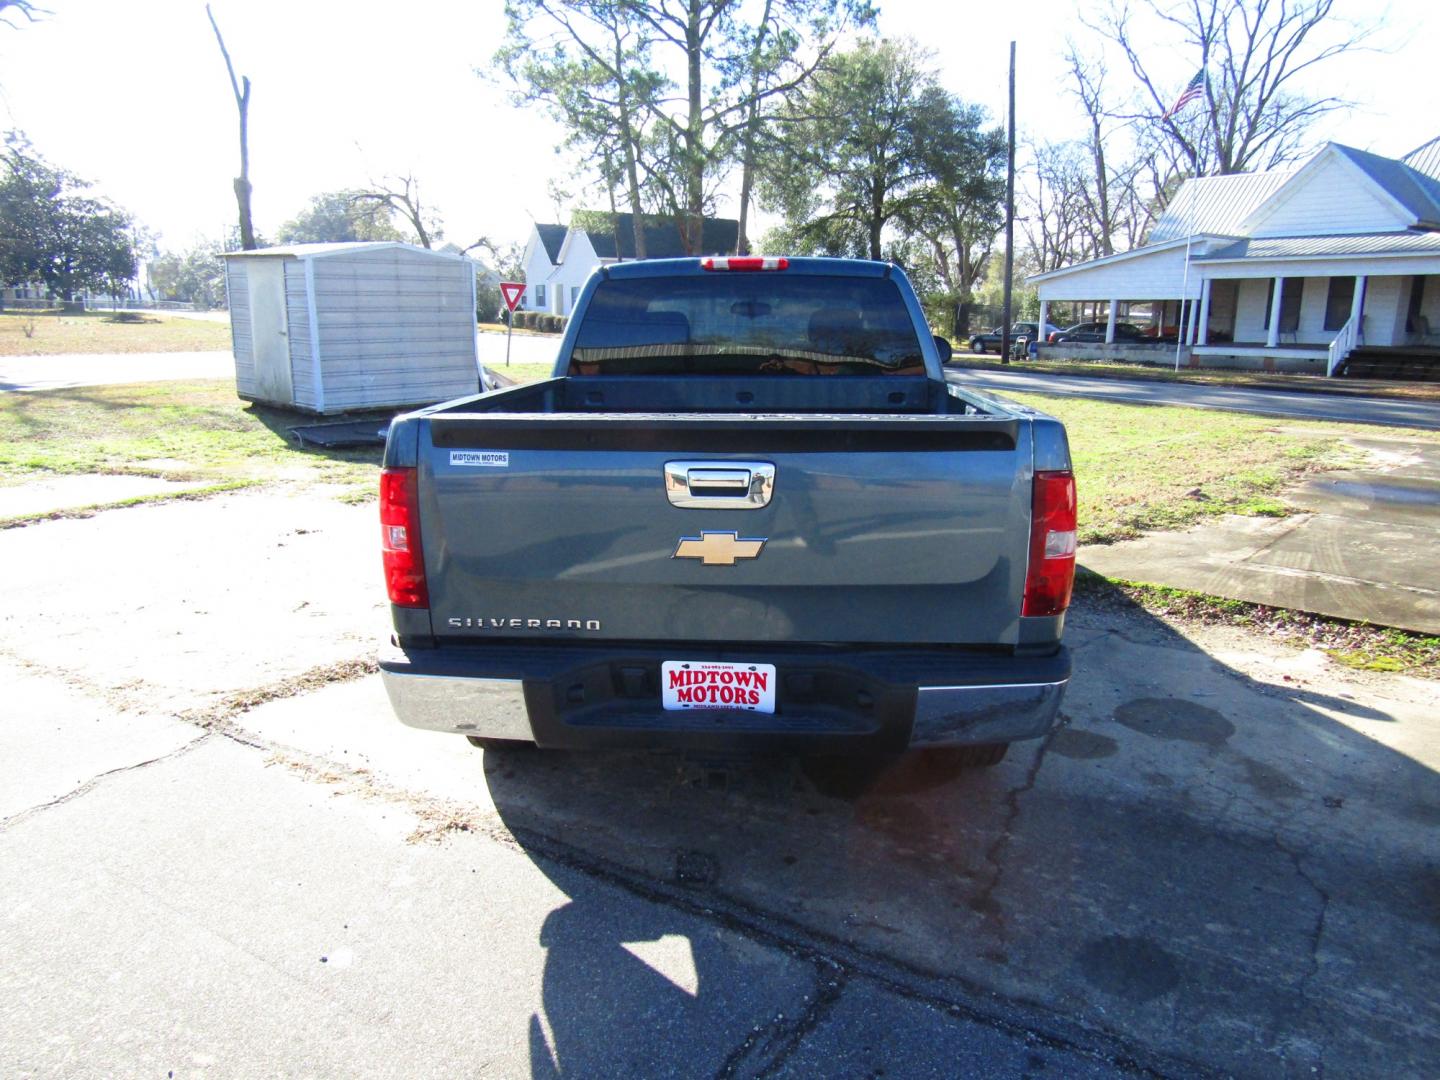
x=26 y=373
x=524 y=349
x=1297 y=405
x=223 y=854
x=30 y=373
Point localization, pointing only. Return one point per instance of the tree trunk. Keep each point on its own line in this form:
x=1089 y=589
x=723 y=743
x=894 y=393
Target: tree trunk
x=632 y=178
x=752 y=124
x=747 y=179
x=877 y=220
x=692 y=229
x=628 y=142
x=1102 y=189
x=242 y=200
x=242 y=104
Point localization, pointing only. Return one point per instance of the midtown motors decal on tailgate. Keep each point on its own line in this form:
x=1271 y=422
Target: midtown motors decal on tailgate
x=703 y=684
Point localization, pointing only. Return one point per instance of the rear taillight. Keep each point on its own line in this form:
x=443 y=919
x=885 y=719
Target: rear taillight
x=400 y=539
x=1052 y=545
x=746 y=262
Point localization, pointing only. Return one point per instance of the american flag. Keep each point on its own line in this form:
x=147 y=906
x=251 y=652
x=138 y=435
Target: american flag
x=1193 y=89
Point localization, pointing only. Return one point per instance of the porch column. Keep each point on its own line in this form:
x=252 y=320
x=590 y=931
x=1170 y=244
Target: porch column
x=1357 y=308
x=1044 y=311
x=1193 y=330
x=1273 y=337
x=1204 y=312
x=1110 y=323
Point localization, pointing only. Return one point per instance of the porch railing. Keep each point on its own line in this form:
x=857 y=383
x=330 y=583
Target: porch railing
x=1344 y=344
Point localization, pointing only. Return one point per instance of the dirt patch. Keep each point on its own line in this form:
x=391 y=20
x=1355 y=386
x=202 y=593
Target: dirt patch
x=242 y=701
x=1350 y=644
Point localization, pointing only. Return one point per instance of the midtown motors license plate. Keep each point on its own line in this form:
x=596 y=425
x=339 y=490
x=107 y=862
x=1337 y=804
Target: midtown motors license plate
x=705 y=684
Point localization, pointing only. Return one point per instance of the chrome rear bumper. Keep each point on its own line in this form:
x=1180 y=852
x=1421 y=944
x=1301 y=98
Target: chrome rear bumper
x=958 y=715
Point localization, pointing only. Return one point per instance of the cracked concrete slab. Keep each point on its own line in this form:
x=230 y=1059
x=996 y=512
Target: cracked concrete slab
x=239 y=921
x=54 y=740
x=1361 y=546
x=1224 y=860
x=869 y=1033
x=1221 y=857
x=45 y=496
x=169 y=607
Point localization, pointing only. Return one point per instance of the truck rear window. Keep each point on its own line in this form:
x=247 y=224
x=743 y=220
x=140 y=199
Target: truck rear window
x=747 y=324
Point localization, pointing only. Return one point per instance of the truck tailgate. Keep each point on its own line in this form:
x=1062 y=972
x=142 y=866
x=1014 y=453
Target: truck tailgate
x=876 y=529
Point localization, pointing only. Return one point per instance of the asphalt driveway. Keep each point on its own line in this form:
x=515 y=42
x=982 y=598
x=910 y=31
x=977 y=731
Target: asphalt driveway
x=1298 y=405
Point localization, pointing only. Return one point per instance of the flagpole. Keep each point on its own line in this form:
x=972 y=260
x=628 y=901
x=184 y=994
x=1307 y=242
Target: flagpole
x=1193 y=89
x=1009 y=217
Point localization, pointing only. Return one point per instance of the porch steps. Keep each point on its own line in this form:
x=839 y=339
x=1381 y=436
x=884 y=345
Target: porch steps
x=1412 y=363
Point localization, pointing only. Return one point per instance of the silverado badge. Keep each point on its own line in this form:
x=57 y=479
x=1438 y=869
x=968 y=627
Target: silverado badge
x=719 y=548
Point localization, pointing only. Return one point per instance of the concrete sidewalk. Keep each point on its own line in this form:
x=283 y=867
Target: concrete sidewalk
x=1361 y=546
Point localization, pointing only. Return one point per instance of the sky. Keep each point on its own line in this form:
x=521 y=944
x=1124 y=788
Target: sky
x=136 y=99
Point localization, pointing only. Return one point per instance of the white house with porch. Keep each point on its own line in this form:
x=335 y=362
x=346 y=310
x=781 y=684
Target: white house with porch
x=1331 y=267
x=558 y=258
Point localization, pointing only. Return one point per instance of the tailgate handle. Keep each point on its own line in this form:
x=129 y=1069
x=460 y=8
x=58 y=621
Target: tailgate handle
x=719 y=485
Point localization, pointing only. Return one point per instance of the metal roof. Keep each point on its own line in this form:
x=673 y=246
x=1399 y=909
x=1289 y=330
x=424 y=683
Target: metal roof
x=1122 y=256
x=1312 y=247
x=1215 y=204
x=1418 y=193
x=318 y=251
x=1426 y=158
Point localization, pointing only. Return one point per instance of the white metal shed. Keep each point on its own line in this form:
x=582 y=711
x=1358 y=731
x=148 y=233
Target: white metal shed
x=330 y=328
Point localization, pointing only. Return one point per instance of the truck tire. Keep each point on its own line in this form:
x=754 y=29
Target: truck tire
x=485 y=743
x=979 y=756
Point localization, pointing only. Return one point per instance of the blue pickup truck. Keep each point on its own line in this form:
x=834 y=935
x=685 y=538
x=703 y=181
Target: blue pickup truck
x=746 y=511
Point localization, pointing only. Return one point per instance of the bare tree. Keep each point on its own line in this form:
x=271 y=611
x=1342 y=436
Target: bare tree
x=1256 y=53
x=401 y=195
x=22 y=7
x=242 y=103
x=1054 y=209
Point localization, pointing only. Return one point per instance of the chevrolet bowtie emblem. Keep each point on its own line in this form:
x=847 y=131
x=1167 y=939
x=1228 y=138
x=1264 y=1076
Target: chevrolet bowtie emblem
x=719 y=548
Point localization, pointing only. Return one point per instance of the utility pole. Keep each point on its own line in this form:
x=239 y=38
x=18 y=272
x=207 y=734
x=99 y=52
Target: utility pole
x=1009 y=216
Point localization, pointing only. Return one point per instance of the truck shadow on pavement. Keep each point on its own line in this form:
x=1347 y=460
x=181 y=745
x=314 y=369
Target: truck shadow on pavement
x=1226 y=871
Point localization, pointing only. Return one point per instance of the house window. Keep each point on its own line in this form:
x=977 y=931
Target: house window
x=1290 y=296
x=539 y=291
x=574 y=292
x=1338 y=301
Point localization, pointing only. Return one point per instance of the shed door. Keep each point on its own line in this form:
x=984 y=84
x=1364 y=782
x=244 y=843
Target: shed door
x=270 y=329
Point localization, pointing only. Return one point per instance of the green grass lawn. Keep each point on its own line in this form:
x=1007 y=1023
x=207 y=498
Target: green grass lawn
x=1141 y=468
x=99 y=332
x=523 y=373
x=191 y=430
x=1138 y=467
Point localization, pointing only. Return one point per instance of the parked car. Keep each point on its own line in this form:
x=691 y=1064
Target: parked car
x=717 y=520
x=991 y=340
x=1095 y=331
